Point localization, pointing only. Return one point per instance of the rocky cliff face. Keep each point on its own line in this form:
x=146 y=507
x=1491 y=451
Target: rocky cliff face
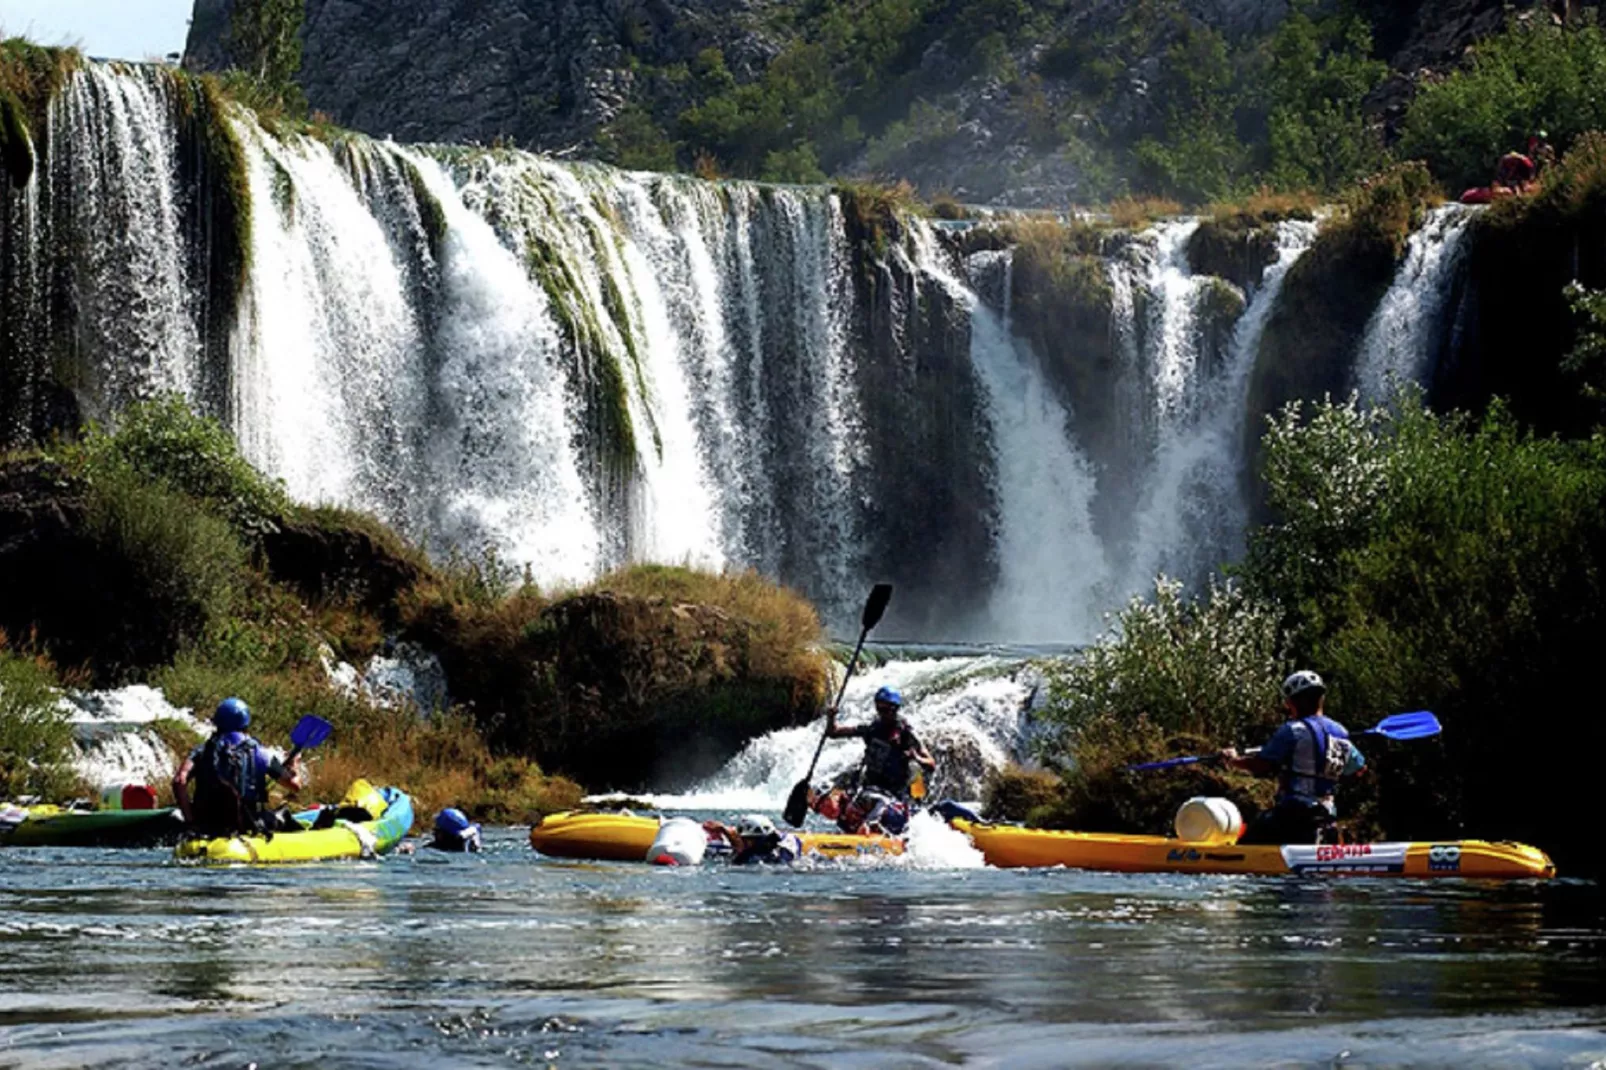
x=545 y=74
x=550 y=75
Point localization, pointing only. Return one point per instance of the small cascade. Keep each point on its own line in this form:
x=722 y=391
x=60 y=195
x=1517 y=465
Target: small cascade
x=1406 y=335
x=1190 y=515
x=1051 y=564
x=971 y=713
x=114 y=737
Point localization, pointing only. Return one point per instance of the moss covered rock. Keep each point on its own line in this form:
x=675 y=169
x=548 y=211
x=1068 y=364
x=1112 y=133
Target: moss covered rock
x=624 y=690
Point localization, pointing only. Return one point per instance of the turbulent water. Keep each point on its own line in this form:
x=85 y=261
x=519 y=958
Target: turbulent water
x=123 y=959
x=578 y=367
x=1406 y=334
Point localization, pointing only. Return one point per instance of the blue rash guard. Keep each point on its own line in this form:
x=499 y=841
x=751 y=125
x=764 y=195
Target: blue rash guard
x=1312 y=753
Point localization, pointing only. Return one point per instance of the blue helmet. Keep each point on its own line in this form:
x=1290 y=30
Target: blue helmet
x=889 y=695
x=451 y=822
x=232 y=715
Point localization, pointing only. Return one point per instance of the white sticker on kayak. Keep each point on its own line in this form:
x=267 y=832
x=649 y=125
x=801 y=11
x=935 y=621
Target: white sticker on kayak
x=1346 y=858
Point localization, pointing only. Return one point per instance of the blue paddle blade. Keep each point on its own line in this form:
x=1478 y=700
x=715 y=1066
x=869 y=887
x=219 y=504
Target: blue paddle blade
x=310 y=731
x=1403 y=726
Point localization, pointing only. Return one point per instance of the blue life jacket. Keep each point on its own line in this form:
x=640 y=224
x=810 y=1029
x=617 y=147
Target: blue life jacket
x=1321 y=755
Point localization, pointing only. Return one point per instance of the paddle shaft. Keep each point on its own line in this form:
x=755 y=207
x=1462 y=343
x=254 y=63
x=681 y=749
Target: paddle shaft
x=853 y=663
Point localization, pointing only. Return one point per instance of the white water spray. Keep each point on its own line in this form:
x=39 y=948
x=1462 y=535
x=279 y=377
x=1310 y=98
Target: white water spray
x=1403 y=337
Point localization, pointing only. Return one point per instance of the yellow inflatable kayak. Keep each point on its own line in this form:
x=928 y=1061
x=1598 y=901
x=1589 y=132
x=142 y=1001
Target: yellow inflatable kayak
x=390 y=817
x=1007 y=846
x=625 y=837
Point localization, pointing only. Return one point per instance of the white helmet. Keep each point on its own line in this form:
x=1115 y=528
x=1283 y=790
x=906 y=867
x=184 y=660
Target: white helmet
x=754 y=826
x=1302 y=681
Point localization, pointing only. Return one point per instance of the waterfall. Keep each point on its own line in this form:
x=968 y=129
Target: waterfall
x=1405 y=336
x=1051 y=565
x=1190 y=515
x=579 y=368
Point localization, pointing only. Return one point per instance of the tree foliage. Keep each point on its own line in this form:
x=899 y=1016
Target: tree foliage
x=265 y=44
x=1533 y=76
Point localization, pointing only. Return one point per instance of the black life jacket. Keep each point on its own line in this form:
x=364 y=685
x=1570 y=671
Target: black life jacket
x=227 y=786
x=886 y=765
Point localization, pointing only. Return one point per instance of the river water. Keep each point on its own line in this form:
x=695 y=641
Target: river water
x=508 y=959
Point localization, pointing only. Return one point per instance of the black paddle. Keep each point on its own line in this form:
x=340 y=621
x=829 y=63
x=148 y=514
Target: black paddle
x=797 y=803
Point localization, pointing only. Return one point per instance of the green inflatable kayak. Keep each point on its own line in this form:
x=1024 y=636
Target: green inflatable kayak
x=55 y=826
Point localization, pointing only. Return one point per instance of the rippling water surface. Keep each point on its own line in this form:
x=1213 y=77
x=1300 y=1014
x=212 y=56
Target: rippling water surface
x=124 y=959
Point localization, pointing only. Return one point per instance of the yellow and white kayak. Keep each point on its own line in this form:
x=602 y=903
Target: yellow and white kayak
x=1007 y=846
x=390 y=817
x=626 y=837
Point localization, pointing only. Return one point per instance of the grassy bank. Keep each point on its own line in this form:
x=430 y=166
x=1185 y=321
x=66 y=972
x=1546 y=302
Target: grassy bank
x=156 y=554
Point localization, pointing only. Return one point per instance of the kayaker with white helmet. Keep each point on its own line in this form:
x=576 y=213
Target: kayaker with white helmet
x=1308 y=755
x=889 y=745
x=755 y=839
x=230 y=774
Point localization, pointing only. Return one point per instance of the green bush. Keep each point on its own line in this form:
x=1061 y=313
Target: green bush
x=169 y=571
x=1208 y=665
x=1533 y=76
x=164 y=442
x=1438 y=562
x=36 y=740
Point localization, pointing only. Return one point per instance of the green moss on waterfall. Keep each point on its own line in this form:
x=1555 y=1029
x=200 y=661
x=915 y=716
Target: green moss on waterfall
x=430 y=210
x=29 y=77
x=228 y=185
x=605 y=393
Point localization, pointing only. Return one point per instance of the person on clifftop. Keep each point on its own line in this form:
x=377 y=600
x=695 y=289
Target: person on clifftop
x=889 y=745
x=1514 y=173
x=230 y=773
x=1309 y=754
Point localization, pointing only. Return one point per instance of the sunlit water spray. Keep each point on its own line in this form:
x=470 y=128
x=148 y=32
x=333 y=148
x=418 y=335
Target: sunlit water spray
x=1406 y=334
x=971 y=713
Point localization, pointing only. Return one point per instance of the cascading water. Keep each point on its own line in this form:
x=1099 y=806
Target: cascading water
x=970 y=712
x=1051 y=564
x=581 y=367
x=1190 y=515
x=1406 y=334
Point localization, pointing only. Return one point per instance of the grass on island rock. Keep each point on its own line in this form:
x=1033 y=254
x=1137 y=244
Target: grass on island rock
x=155 y=553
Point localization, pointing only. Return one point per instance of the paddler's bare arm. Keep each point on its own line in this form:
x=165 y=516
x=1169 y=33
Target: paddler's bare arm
x=831 y=729
x=181 y=789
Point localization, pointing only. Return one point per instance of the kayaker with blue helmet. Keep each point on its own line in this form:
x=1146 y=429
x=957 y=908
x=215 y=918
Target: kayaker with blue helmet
x=455 y=832
x=1309 y=754
x=230 y=774
x=889 y=745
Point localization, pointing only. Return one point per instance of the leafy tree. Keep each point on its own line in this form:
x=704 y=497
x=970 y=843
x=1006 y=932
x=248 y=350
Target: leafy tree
x=1533 y=76
x=1317 y=81
x=265 y=43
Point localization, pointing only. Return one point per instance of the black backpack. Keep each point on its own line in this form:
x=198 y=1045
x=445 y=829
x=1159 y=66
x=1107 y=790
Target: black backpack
x=226 y=779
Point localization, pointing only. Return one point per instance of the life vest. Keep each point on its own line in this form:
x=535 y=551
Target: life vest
x=886 y=761
x=1318 y=761
x=228 y=785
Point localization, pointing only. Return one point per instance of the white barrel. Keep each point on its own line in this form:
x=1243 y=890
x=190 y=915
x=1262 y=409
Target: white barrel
x=680 y=842
x=1206 y=819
